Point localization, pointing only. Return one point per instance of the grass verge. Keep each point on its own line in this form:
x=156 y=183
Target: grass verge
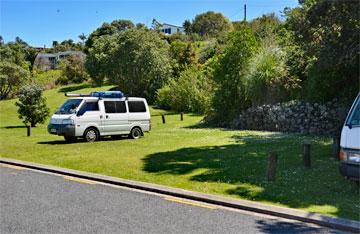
x=182 y=154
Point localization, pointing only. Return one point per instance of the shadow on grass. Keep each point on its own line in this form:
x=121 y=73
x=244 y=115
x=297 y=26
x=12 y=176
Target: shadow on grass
x=243 y=166
x=57 y=142
x=166 y=113
x=81 y=140
x=202 y=125
x=12 y=127
x=77 y=87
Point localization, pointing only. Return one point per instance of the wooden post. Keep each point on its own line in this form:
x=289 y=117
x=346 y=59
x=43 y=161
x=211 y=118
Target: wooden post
x=28 y=130
x=271 y=170
x=306 y=156
x=181 y=116
x=336 y=147
x=163 y=118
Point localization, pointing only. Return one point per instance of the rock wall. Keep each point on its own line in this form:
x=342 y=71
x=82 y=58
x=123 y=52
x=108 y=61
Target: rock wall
x=294 y=116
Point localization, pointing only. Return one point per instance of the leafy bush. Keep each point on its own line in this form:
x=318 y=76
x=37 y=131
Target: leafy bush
x=32 y=105
x=191 y=92
x=73 y=71
x=269 y=80
x=230 y=75
x=183 y=55
x=46 y=79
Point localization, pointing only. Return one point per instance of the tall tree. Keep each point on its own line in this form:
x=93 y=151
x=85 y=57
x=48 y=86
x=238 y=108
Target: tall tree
x=108 y=29
x=136 y=60
x=11 y=76
x=211 y=24
x=328 y=33
x=82 y=37
x=187 y=26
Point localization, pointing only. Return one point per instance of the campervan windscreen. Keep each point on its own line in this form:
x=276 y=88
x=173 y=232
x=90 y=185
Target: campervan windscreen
x=354 y=116
x=69 y=107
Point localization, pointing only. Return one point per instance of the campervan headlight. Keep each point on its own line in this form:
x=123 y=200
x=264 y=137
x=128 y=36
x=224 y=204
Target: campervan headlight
x=350 y=156
x=68 y=122
x=354 y=157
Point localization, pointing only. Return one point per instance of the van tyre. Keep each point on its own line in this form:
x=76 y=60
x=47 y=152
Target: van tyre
x=135 y=133
x=91 y=135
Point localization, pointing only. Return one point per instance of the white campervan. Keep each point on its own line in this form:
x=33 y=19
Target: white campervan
x=97 y=114
x=350 y=143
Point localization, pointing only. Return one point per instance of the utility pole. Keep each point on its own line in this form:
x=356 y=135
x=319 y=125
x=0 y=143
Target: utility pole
x=244 y=12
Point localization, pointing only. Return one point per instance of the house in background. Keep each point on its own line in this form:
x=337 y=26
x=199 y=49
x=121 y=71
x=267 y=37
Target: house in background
x=171 y=29
x=47 y=61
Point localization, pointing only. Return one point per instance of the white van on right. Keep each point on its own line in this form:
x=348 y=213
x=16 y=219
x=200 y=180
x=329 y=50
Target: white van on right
x=350 y=143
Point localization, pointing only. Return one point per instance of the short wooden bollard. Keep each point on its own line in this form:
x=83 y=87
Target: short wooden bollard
x=271 y=170
x=336 y=147
x=28 y=130
x=181 y=116
x=163 y=119
x=306 y=156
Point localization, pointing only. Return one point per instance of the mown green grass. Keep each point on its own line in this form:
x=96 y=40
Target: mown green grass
x=185 y=155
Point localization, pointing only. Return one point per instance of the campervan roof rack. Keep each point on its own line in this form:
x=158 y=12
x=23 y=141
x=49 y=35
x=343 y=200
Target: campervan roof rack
x=99 y=94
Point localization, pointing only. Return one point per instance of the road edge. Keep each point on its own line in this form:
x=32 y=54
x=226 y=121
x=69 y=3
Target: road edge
x=283 y=212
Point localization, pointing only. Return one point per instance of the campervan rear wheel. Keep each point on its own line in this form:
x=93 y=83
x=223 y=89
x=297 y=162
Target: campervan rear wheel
x=91 y=135
x=135 y=133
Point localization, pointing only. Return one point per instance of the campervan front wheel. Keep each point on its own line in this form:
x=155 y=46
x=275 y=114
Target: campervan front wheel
x=91 y=135
x=135 y=133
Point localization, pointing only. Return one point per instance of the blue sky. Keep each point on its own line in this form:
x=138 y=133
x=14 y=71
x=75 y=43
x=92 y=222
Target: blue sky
x=41 y=22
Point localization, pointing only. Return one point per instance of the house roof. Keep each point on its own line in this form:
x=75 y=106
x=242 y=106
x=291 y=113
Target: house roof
x=50 y=55
x=171 y=25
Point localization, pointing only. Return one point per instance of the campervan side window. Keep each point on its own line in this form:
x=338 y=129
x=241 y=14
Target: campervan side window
x=136 y=106
x=115 y=107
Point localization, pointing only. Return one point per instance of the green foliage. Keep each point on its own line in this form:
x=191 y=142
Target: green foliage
x=262 y=26
x=210 y=24
x=73 y=71
x=183 y=55
x=328 y=33
x=191 y=92
x=108 y=29
x=15 y=53
x=187 y=26
x=230 y=75
x=46 y=79
x=12 y=76
x=32 y=105
x=68 y=44
x=136 y=60
x=269 y=80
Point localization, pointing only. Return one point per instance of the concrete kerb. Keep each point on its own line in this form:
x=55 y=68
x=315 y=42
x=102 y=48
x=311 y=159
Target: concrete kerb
x=288 y=213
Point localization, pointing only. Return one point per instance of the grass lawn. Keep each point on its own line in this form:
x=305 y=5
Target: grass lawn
x=183 y=154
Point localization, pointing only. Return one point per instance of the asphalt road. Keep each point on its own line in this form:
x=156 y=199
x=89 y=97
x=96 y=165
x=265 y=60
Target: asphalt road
x=36 y=202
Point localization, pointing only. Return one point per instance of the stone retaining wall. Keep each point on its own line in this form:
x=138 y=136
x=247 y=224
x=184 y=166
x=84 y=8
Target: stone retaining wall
x=294 y=116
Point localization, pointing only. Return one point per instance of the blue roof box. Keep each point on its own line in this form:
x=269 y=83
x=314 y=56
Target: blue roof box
x=107 y=94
